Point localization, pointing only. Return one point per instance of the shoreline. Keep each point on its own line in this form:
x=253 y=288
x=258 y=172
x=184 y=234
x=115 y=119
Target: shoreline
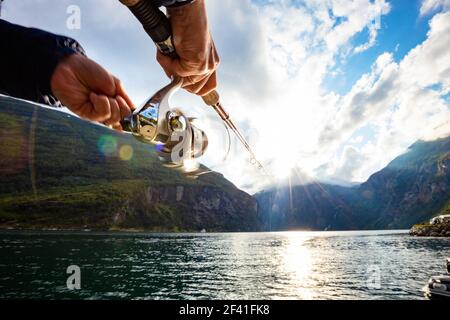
x=143 y=231
x=431 y=230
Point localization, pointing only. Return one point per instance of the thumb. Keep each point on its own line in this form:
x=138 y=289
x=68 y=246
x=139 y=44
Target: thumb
x=101 y=109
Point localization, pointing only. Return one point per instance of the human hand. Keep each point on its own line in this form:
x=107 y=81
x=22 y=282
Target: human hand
x=198 y=58
x=91 y=92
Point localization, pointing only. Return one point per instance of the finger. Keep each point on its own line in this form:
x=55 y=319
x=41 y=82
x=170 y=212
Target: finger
x=166 y=63
x=85 y=111
x=184 y=68
x=209 y=86
x=120 y=90
x=114 y=119
x=117 y=127
x=215 y=54
x=204 y=86
x=101 y=109
x=197 y=86
x=192 y=80
x=125 y=111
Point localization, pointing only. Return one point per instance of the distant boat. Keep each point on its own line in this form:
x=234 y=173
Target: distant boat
x=203 y=231
x=439 y=286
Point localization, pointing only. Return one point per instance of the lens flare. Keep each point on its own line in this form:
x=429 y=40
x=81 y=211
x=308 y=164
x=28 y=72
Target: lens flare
x=190 y=165
x=107 y=145
x=159 y=146
x=126 y=152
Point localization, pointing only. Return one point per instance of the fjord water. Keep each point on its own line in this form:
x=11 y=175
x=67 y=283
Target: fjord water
x=285 y=265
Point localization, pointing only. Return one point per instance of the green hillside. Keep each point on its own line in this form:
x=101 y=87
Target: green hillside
x=60 y=171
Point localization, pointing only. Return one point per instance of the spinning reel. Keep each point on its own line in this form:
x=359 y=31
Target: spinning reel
x=178 y=142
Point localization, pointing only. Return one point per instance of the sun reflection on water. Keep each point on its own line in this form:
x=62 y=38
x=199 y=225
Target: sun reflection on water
x=297 y=265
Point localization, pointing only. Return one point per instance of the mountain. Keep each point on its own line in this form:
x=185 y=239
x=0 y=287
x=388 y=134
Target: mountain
x=412 y=188
x=311 y=207
x=58 y=171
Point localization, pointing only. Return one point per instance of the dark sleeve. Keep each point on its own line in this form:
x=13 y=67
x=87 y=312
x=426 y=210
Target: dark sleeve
x=28 y=58
x=171 y=3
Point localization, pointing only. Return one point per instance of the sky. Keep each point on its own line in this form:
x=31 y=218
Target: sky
x=324 y=90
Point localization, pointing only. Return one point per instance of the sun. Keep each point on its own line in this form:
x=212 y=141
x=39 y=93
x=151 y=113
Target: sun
x=282 y=169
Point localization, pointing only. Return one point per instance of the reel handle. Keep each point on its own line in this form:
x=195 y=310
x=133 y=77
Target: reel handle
x=155 y=23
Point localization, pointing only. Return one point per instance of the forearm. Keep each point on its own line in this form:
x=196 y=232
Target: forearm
x=28 y=58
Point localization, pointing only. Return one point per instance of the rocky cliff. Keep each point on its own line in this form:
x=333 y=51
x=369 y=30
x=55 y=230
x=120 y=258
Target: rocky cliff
x=412 y=188
x=426 y=229
x=431 y=230
x=58 y=171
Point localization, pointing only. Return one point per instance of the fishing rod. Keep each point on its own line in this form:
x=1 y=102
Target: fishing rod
x=158 y=27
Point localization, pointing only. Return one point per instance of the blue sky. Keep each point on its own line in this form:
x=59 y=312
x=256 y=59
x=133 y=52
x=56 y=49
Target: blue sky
x=330 y=89
x=402 y=29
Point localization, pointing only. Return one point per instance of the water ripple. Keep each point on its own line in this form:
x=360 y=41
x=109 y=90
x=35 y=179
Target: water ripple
x=285 y=265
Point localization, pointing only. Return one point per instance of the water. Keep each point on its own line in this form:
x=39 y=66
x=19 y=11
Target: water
x=286 y=265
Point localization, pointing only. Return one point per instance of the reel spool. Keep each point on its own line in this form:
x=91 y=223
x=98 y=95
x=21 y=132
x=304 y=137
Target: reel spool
x=178 y=142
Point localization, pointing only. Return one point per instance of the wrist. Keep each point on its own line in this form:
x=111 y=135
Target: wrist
x=63 y=69
x=67 y=48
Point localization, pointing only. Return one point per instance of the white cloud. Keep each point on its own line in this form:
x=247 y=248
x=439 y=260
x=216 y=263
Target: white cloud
x=275 y=58
x=373 y=32
x=433 y=5
x=293 y=48
x=403 y=100
x=349 y=165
